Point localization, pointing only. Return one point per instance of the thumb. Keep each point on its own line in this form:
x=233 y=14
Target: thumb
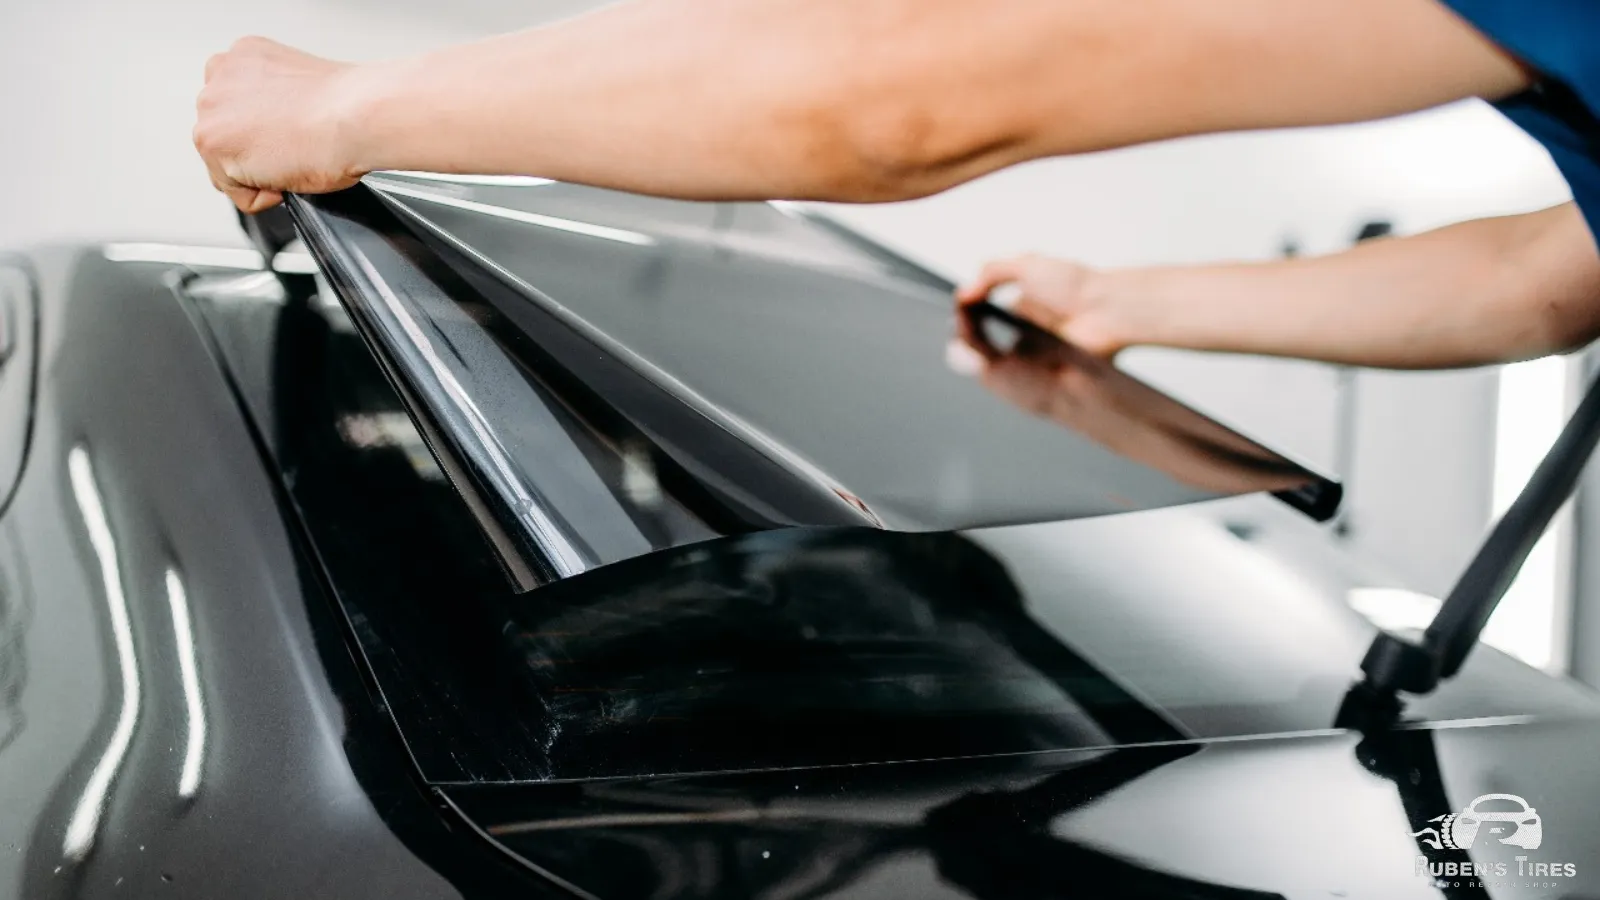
x=994 y=274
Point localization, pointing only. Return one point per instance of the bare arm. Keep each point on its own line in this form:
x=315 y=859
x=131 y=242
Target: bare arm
x=1489 y=291
x=831 y=99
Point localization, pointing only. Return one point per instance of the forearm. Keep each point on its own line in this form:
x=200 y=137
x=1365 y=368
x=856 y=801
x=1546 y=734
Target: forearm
x=887 y=99
x=702 y=99
x=1482 y=292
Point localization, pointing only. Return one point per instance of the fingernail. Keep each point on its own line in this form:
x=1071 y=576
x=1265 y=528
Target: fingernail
x=964 y=360
x=1006 y=296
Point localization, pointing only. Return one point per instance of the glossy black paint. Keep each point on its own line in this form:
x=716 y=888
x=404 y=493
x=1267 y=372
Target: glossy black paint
x=300 y=785
x=1135 y=705
x=1278 y=817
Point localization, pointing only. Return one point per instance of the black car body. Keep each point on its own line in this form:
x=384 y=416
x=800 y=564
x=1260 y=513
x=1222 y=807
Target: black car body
x=540 y=541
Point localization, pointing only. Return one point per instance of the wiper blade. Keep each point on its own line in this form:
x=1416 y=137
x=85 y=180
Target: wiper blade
x=1394 y=664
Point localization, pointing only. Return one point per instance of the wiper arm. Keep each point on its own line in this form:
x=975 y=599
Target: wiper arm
x=1394 y=664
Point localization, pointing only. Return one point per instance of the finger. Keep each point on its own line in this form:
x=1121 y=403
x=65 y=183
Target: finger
x=963 y=359
x=262 y=201
x=248 y=199
x=212 y=65
x=1026 y=307
x=969 y=334
x=992 y=276
x=244 y=197
x=1041 y=350
x=222 y=184
x=253 y=200
x=253 y=42
x=219 y=178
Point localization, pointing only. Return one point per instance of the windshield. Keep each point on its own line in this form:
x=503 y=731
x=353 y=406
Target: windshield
x=805 y=648
x=829 y=647
x=742 y=646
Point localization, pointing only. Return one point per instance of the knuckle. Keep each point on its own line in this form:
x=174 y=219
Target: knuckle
x=205 y=138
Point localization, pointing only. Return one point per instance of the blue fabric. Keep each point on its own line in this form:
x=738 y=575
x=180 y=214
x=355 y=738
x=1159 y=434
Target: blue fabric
x=1560 y=40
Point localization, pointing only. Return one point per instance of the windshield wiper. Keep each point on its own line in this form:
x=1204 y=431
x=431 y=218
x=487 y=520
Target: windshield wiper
x=1394 y=664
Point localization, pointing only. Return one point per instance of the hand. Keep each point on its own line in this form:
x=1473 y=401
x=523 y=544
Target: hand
x=271 y=119
x=1061 y=297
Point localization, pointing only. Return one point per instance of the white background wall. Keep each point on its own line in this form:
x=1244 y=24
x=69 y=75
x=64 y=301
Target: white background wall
x=97 y=98
x=96 y=101
x=1422 y=450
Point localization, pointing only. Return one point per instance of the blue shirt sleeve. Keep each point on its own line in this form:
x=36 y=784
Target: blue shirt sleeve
x=1560 y=40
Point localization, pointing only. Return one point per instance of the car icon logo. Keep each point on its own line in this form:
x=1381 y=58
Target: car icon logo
x=1504 y=818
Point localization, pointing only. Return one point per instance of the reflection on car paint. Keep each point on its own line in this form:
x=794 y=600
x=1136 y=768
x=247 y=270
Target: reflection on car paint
x=194 y=744
x=294 y=750
x=571 y=226
x=305 y=788
x=85 y=821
